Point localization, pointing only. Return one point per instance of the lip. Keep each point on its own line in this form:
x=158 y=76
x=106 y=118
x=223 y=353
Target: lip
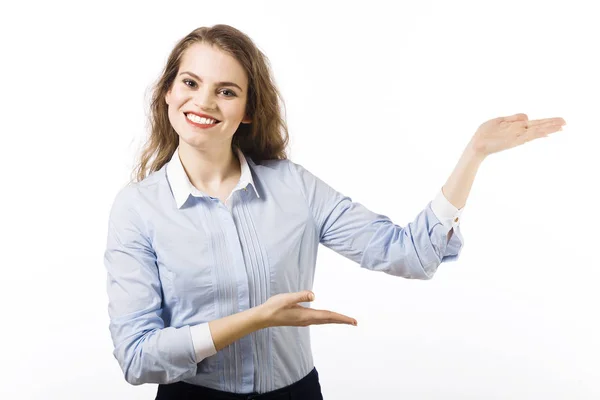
x=201 y=126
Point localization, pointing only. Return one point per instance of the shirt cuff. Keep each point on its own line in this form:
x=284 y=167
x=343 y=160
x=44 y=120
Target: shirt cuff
x=445 y=211
x=203 y=342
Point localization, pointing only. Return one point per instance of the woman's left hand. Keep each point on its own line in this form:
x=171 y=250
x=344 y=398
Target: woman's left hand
x=504 y=133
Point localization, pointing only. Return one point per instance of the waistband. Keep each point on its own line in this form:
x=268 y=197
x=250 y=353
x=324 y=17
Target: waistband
x=307 y=388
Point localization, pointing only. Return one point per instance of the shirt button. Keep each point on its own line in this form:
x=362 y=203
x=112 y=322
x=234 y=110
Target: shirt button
x=456 y=219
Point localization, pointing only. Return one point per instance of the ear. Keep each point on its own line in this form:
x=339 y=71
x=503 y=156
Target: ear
x=247 y=120
x=168 y=96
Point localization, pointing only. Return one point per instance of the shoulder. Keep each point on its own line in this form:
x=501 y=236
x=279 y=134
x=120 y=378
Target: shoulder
x=287 y=176
x=280 y=168
x=132 y=197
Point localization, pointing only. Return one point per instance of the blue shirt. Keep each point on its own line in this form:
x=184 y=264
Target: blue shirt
x=177 y=258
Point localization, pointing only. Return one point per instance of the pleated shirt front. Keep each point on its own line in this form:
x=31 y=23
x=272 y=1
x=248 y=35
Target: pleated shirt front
x=177 y=258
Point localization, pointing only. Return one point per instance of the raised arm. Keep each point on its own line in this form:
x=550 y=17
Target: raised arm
x=494 y=136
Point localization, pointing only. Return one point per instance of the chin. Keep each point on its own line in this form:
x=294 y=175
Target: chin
x=199 y=141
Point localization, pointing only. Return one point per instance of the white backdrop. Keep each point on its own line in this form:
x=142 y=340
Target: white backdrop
x=381 y=100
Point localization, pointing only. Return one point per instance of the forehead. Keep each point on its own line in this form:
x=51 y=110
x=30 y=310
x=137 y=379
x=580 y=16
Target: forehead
x=212 y=64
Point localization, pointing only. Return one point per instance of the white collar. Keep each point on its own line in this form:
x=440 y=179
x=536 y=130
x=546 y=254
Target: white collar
x=182 y=187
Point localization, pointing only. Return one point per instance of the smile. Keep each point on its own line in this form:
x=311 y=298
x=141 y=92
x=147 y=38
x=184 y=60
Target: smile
x=201 y=122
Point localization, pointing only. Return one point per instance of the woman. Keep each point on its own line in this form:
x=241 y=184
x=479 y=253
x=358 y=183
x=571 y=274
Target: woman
x=211 y=252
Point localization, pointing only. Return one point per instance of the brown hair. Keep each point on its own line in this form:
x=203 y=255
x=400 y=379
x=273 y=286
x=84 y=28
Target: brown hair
x=266 y=138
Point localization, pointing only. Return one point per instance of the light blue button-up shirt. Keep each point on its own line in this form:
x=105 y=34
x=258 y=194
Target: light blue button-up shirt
x=177 y=258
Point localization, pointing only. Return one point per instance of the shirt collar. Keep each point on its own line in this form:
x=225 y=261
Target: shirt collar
x=182 y=187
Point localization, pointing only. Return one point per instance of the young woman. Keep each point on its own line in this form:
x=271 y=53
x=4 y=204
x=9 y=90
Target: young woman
x=211 y=251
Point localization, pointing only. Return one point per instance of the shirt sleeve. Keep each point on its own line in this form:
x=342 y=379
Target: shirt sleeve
x=146 y=351
x=204 y=346
x=445 y=211
x=373 y=240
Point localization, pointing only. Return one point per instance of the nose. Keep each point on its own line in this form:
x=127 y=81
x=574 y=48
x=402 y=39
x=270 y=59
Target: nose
x=204 y=99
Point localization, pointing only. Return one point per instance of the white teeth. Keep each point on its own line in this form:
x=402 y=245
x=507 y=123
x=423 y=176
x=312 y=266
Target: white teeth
x=201 y=120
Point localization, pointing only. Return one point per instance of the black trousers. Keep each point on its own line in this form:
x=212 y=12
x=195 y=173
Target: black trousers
x=307 y=388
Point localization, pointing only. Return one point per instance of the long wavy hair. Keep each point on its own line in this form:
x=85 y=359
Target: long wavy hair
x=265 y=138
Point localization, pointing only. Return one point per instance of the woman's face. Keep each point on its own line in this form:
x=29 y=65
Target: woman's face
x=210 y=85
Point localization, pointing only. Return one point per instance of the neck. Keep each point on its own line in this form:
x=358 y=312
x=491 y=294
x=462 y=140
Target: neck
x=209 y=168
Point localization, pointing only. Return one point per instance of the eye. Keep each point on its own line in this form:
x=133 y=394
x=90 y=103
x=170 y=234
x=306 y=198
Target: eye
x=186 y=81
x=228 y=93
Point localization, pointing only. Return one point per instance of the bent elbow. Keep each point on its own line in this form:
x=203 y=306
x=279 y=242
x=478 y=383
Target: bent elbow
x=141 y=363
x=139 y=372
x=133 y=379
x=133 y=371
x=140 y=376
x=427 y=272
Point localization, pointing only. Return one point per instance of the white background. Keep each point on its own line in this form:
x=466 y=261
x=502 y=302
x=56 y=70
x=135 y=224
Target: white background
x=381 y=100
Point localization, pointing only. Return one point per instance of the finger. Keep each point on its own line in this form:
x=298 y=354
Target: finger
x=329 y=317
x=547 y=121
x=539 y=130
x=302 y=297
x=542 y=132
x=516 y=117
x=536 y=133
x=546 y=128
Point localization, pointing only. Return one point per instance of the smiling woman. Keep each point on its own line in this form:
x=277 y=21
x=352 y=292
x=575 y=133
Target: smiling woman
x=211 y=252
x=214 y=71
x=214 y=97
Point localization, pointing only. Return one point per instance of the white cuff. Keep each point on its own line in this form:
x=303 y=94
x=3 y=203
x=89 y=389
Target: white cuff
x=203 y=341
x=445 y=211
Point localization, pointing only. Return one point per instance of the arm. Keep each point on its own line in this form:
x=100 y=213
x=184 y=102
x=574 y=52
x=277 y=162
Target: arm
x=227 y=330
x=459 y=183
x=149 y=352
x=372 y=240
x=491 y=137
x=279 y=310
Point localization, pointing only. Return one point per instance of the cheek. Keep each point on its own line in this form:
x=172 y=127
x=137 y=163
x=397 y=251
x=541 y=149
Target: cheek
x=234 y=111
x=176 y=98
x=174 y=107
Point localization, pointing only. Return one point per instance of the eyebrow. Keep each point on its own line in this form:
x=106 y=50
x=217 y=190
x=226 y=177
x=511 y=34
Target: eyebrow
x=193 y=75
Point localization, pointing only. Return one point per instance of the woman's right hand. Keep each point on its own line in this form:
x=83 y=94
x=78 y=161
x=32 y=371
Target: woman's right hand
x=283 y=310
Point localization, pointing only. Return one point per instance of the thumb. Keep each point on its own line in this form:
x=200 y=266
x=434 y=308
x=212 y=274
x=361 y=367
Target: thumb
x=516 y=117
x=304 y=296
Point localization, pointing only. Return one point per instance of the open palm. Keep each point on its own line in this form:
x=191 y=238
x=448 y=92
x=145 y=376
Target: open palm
x=503 y=133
